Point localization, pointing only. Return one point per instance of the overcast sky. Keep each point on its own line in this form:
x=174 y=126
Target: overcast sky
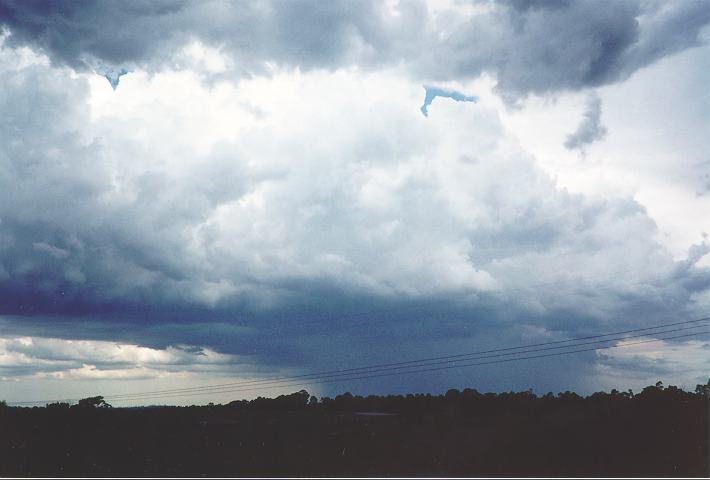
x=268 y=191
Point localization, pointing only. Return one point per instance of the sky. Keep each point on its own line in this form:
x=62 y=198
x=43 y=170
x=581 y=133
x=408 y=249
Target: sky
x=194 y=193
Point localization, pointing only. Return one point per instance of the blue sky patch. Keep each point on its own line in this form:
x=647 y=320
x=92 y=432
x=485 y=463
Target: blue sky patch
x=433 y=92
x=112 y=75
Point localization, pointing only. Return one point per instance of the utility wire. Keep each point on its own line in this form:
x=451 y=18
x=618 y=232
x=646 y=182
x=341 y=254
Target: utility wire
x=368 y=371
x=347 y=375
x=702 y=322
x=423 y=370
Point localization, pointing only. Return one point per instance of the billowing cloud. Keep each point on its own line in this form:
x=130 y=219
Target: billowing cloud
x=253 y=34
x=592 y=46
x=297 y=213
x=23 y=357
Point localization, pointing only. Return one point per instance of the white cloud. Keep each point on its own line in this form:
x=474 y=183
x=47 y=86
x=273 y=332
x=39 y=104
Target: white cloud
x=406 y=205
x=38 y=356
x=654 y=150
x=684 y=364
x=55 y=369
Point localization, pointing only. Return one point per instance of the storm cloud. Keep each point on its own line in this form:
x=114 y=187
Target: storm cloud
x=591 y=45
x=545 y=47
x=149 y=35
x=295 y=212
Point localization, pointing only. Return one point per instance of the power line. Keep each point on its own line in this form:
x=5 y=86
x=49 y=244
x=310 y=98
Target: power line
x=373 y=371
x=431 y=359
x=271 y=383
x=418 y=371
x=266 y=383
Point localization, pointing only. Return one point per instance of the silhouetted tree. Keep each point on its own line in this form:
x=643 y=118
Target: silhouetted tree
x=344 y=401
x=93 y=402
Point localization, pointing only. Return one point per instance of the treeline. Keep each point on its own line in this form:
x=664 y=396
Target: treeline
x=460 y=399
x=660 y=431
x=470 y=398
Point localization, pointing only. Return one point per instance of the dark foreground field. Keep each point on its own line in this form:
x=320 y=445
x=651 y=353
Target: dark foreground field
x=658 y=432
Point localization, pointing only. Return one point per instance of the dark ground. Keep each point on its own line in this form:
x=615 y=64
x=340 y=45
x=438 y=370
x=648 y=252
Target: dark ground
x=659 y=432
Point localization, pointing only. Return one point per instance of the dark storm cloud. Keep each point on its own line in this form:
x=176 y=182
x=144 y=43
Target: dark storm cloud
x=540 y=47
x=105 y=236
x=148 y=34
x=66 y=237
x=99 y=239
x=116 y=32
x=590 y=129
x=530 y=47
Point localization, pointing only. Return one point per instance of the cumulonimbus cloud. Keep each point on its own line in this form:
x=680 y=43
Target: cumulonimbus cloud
x=99 y=221
x=270 y=227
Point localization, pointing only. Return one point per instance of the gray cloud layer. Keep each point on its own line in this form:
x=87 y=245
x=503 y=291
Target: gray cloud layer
x=409 y=238
x=530 y=47
x=111 y=237
x=308 y=34
x=544 y=47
